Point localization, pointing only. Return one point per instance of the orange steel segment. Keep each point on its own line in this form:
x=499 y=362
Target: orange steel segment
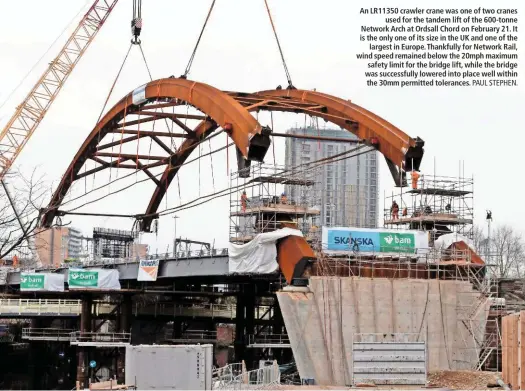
x=293 y=255
x=393 y=143
x=221 y=108
x=178 y=158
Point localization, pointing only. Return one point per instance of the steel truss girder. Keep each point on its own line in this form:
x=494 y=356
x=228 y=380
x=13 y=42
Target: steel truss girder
x=230 y=110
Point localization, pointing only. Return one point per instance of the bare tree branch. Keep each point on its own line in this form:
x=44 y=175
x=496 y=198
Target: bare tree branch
x=505 y=248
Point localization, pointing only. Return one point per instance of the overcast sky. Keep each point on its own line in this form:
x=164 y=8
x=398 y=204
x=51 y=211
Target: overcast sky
x=481 y=127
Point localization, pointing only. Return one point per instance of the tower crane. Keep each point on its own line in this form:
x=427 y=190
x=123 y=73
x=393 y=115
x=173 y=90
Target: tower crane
x=32 y=110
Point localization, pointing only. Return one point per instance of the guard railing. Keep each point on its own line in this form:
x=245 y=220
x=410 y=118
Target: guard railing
x=193 y=335
x=46 y=334
x=96 y=337
x=270 y=339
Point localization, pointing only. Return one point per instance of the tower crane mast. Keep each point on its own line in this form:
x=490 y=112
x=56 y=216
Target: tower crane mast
x=30 y=113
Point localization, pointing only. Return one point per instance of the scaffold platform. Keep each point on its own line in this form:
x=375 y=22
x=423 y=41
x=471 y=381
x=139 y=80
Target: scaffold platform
x=280 y=209
x=283 y=180
x=440 y=192
x=437 y=218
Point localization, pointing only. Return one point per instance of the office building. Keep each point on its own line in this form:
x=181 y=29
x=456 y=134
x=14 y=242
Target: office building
x=54 y=245
x=346 y=191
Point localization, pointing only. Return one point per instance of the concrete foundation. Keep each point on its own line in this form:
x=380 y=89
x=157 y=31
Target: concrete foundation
x=321 y=323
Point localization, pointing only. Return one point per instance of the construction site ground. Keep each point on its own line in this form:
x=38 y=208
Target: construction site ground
x=445 y=380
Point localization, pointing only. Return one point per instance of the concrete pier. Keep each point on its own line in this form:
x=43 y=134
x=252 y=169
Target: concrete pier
x=321 y=322
x=85 y=326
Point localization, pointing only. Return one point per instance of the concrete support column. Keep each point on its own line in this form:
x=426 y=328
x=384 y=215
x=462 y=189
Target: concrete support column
x=126 y=312
x=250 y=303
x=277 y=328
x=82 y=356
x=239 y=343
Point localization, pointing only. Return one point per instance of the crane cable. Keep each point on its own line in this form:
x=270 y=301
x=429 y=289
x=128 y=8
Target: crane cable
x=288 y=77
x=190 y=62
x=136 y=22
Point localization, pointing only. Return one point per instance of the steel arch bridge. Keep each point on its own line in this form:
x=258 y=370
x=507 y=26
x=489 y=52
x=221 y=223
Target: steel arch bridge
x=231 y=111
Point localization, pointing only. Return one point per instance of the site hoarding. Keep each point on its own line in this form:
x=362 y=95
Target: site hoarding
x=148 y=270
x=376 y=241
x=93 y=279
x=34 y=282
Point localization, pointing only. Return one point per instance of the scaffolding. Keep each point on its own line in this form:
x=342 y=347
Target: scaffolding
x=113 y=243
x=481 y=317
x=437 y=204
x=275 y=197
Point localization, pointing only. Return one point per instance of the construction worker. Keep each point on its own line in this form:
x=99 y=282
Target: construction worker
x=244 y=201
x=284 y=199
x=394 y=210
x=415 y=177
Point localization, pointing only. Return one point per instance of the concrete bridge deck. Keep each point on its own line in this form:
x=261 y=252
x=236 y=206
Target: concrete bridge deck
x=194 y=265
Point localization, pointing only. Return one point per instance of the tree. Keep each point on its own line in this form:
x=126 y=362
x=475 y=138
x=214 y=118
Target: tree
x=19 y=225
x=505 y=248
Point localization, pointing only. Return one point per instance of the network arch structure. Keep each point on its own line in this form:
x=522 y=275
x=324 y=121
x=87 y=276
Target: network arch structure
x=228 y=111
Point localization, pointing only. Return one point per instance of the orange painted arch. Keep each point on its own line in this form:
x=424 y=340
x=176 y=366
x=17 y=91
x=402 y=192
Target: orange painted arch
x=232 y=110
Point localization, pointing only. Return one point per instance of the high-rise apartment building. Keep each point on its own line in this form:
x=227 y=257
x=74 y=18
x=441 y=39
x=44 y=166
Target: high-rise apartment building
x=346 y=191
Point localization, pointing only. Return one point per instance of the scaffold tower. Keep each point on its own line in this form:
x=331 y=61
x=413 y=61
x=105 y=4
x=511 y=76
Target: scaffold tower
x=270 y=198
x=437 y=204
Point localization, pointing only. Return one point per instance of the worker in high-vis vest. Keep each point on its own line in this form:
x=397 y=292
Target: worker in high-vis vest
x=244 y=201
x=415 y=177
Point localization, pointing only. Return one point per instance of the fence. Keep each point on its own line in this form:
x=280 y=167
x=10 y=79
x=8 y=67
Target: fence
x=389 y=359
x=513 y=350
x=235 y=377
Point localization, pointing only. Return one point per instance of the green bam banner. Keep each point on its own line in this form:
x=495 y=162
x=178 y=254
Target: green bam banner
x=32 y=282
x=82 y=279
x=397 y=242
x=93 y=279
x=52 y=282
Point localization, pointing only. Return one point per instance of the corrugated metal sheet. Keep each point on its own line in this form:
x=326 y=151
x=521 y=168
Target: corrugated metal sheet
x=389 y=362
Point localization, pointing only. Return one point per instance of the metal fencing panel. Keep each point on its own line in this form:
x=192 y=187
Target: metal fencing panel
x=389 y=359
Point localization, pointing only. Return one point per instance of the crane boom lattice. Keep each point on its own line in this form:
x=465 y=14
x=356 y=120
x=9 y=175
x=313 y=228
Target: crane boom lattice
x=34 y=107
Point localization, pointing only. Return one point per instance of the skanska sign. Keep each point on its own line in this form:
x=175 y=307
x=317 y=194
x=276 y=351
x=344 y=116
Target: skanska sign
x=373 y=240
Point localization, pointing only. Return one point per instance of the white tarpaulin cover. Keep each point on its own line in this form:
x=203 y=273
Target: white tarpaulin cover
x=93 y=279
x=260 y=254
x=42 y=282
x=445 y=241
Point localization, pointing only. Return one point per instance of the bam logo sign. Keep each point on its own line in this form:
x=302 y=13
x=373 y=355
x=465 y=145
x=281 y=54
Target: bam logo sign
x=83 y=278
x=32 y=282
x=394 y=242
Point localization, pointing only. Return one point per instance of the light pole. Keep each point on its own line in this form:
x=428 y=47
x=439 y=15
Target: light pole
x=175 y=217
